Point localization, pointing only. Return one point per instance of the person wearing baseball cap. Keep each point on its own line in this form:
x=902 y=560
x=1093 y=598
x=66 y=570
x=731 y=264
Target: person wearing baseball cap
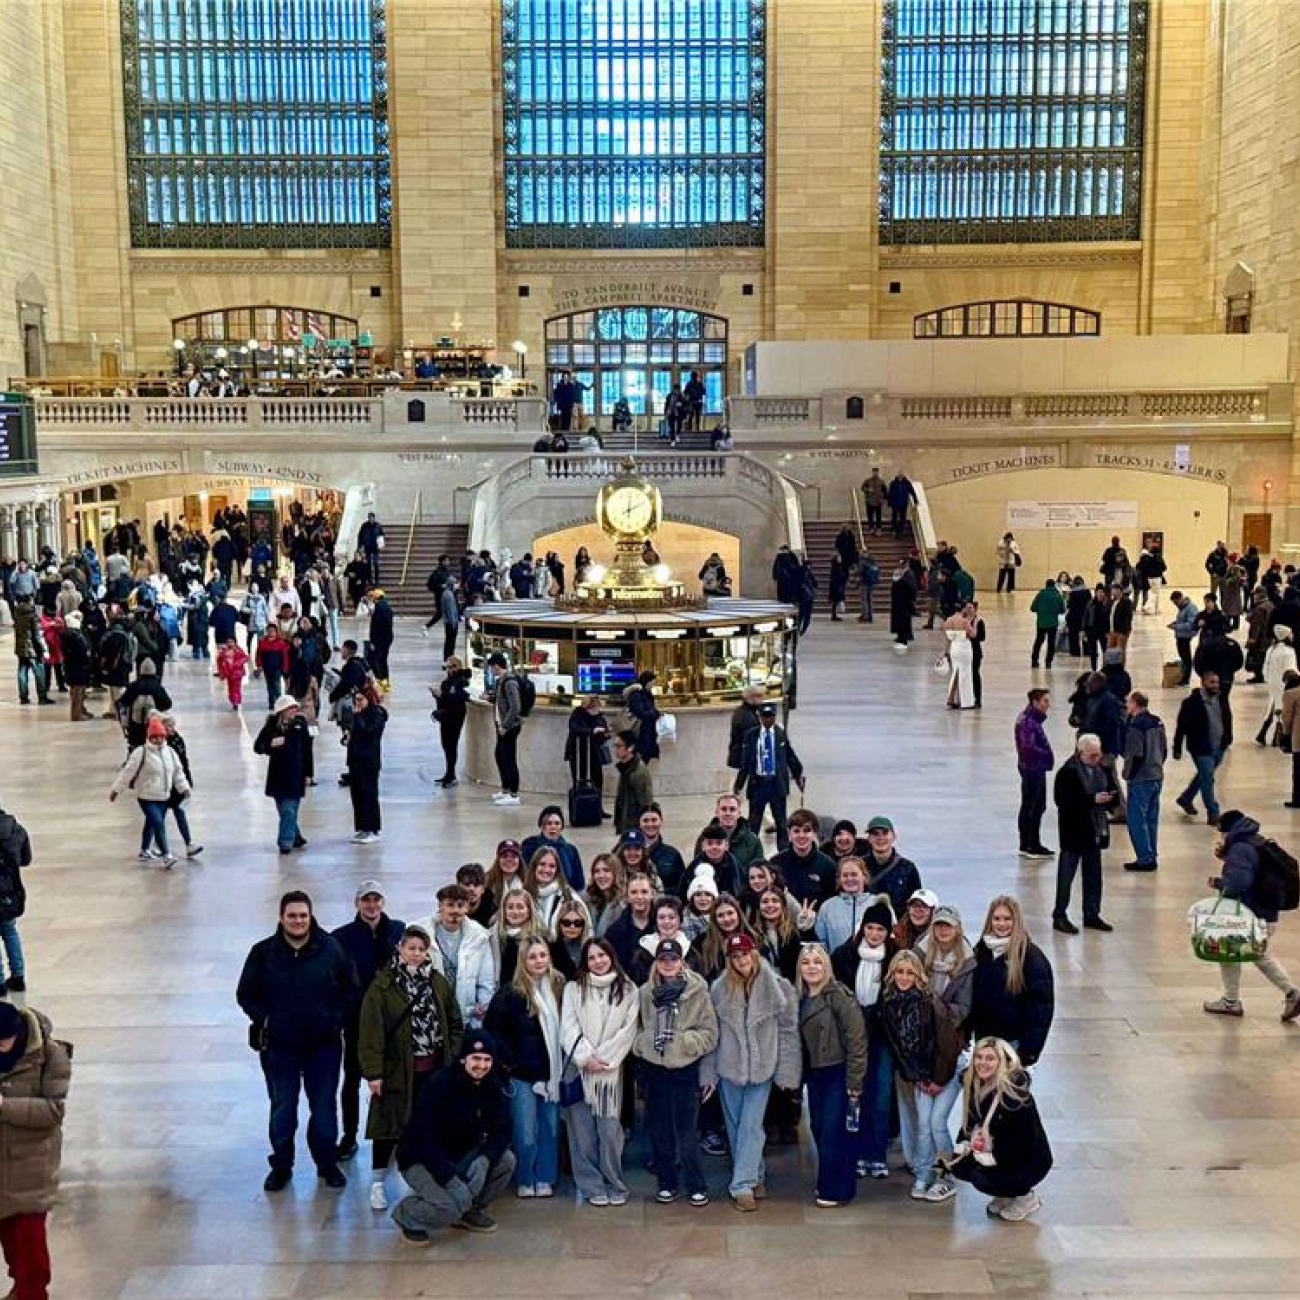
x=506 y=870
x=455 y=1150
x=715 y=855
x=678 y=1028
x=758 y=1049
x=369 y=939
x=286 y=742
x=888 y=872
x=916 y=918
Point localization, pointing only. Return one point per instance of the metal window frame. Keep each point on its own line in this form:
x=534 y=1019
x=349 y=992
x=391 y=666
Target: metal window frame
x=958 y=167
x=333 y=169
x=932 y=324
x=599 y=173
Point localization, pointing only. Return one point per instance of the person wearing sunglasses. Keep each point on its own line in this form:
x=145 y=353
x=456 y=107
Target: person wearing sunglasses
x=572 y=930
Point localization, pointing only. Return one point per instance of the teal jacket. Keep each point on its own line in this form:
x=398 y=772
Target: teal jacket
x=1048 y=605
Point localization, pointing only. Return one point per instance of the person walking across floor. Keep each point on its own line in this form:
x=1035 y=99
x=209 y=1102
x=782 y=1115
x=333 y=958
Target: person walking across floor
x=1204 y=728
x=1083 y=793
x=35 y=1074
x=1009 y=560
x=1245 y=876
x=1034 y=760
x=873 y=498
x=450 y=711
x=370 y=543
x=768 y=763
x=455 y=1151
x=1146 y=747
x=449 y=608
x=1047 y=607
x=286 y=743
x=297 y=989
x=901 y=496
x=152 y=772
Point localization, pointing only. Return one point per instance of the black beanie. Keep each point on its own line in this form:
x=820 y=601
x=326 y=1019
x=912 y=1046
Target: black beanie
x=11 y=1020
x=879 y=913
x=1229 y=819
x=478 y=1041
x=844 y=825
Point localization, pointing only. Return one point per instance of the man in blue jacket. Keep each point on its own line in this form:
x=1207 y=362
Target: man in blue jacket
x=1239 y=850
x=369 y=940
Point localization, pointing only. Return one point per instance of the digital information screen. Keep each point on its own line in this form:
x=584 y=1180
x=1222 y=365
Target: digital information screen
x=605 y=676
x=17 y=439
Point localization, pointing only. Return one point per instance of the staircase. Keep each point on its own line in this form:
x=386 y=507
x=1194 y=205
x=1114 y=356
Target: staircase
x=427 y=542
x=819 y=545
x=620 y=444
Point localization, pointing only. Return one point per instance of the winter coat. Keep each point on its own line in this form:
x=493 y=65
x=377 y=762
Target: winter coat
x=640 y=702
x=959 y=992
x=911 y=1021
x=744 y=719
x=259 y=613
x=696 y=1031
x=476 y=977
x=15 y=854
x=519 y=1036
x=286 y=772
x=838 y=919
x=1048 y=606
x=831 y=1032
x=1080 y=819
x=570 y=858
x=385 y=1047
x=625 y=935
x=1145 y=748
x=1103 y=716
x=381 y=624
x=1279 y=659
x=1193 y=727
x=28 y=643
x=1218 y=654
x=116 y=656
x=642 y=964
x=811 y=879
x=369 y=950
x=457 y=1117
x=897 y=877
x=1241 y=867
x=1023 y=1018
x=75 y=651
x=758 y=1035
x=593 y=1024
x=151 y=772
x=34 y=1094
x=1033 y=749
x=1291 y=716
x=1021 y=1153
x=365 y=738
x=298 y=999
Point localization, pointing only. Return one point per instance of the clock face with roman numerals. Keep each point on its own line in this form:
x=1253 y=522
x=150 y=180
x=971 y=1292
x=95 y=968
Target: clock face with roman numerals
x=628 y=510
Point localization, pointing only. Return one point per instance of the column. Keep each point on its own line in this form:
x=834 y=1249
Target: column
x=27 y=549
x=8 y=534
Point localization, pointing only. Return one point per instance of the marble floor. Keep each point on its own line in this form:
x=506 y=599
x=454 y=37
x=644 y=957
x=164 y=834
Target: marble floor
x=1177 y=1136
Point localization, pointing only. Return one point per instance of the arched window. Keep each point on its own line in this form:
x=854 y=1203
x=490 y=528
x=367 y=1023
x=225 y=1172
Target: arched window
x=248 y=338
x=1005 y=318
x=1004 y=121
x=256 y=124
x=633 y=123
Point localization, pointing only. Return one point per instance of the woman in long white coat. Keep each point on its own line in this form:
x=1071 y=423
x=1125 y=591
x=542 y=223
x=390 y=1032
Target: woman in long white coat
x=1279 y=659
x=961 y=659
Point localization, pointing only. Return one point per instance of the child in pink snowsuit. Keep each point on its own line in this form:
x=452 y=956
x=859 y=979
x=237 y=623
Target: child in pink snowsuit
x=231 y=662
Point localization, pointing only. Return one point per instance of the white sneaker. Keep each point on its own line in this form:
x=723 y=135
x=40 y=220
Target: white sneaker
x=1019 y=1208
x=500 y=794
x=918 y=1191
x=995 y=1207
x=600 y=1199
x=525 y=1193
x=378 y=1197
x=360 y=837
x=544 y=1189
x=374 y=837
x=145 y=855
x=508 y=801
x=939 y=1190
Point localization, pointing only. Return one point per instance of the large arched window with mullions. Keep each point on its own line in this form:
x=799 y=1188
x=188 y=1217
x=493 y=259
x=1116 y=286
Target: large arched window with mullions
x=1011 y=120
x=256 y=123
x=633 y=123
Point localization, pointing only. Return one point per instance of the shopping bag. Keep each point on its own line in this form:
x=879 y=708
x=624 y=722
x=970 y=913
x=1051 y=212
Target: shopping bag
x=1226 y=931
x=666 y=728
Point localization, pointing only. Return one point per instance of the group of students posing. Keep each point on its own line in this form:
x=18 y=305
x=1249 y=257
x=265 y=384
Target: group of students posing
x=628 y=999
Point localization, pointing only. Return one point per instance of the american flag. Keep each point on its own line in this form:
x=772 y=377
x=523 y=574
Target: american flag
x=315 y=325
x=293 y=325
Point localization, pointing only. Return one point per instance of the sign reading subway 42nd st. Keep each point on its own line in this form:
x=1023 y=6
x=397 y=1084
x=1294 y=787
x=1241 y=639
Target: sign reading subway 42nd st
x=17 y=438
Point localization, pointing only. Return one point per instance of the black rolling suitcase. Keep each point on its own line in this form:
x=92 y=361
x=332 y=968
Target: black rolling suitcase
x=584 y=798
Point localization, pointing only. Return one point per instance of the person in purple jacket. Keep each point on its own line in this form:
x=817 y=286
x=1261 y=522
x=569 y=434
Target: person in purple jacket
x=1035 y=760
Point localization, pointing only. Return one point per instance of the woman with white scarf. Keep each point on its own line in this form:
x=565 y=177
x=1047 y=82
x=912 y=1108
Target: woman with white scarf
x=860 y=965
x=524 y=1016
x=545 y=880
x=597 y=1028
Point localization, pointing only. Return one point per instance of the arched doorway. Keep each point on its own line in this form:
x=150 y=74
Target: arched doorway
x=638 y=352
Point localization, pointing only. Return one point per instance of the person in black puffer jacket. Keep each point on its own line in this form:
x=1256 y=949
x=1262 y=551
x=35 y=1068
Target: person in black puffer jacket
x=297 y=989
x=365 y=741
x=1014 y=996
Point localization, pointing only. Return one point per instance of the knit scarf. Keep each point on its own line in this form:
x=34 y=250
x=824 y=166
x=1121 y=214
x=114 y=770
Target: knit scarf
x=998 y=947
x=667 y=996
x=417 y=986
x=548 y=1014
x=866 y=985
x=603 y=1092
x=548 y=899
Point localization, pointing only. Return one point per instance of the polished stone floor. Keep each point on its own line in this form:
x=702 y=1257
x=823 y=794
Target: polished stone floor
x=1177 y=1136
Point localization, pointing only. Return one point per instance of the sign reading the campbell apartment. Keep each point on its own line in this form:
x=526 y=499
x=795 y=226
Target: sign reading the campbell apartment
x=620 y=293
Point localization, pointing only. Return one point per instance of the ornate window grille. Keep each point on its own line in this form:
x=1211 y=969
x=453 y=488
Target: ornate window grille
x=1009 y=121
x=1006 y=318
x=633 y=123
x=256 y=123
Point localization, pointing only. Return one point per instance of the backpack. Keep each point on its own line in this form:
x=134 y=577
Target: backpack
x=527 y=693
x=13 y=897
x=1277 y=877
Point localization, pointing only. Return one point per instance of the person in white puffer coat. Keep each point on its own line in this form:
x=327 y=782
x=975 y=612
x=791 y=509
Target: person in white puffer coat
x=152 y=772
x=1279 y=659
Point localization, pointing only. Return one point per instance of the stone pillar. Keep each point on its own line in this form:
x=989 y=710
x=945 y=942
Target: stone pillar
x=8 y=534
x=47 y=533
x=27 y=549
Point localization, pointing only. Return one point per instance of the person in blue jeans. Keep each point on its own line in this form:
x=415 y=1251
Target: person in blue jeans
x=834 y=1042
x=297 y=989
x=1204 y=729
x=860 y=965
x=286 y=743
x=1145 y=749
x=758 y=1046
x=524 y=1018
x=15 y=854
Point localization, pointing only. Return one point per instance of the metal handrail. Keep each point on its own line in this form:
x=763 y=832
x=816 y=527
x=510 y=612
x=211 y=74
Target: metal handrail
x=857 y=518
x=410 y=536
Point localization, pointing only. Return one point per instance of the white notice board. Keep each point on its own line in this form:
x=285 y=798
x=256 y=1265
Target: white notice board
x=1071 y=514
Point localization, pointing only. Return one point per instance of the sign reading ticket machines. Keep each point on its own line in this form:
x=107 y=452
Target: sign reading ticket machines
x=17 y=437
x=1071 y=514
